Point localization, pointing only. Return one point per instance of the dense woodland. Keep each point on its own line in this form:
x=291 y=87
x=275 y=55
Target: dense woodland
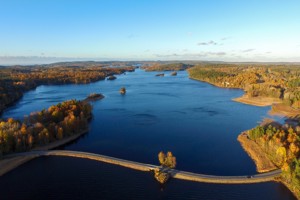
x=43 y=127
x=167 y=67
x=14 y=81
x=276 y=81
x=282 y=145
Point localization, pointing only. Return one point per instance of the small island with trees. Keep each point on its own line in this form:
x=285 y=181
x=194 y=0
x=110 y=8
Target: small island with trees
x=94 y=97
x=167 y=162
x=123 y=90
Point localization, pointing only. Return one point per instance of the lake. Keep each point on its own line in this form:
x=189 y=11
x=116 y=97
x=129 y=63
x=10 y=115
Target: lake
x=198 y=122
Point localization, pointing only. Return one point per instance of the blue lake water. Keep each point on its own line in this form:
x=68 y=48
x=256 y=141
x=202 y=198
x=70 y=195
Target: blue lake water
x=198 y=122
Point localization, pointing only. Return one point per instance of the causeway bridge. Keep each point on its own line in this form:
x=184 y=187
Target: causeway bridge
x=178 y=174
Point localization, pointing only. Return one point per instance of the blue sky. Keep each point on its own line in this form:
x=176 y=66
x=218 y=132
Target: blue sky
x=42 y=31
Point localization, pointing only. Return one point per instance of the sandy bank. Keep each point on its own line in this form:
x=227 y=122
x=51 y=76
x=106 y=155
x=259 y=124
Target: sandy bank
x=284 y=110
x=263 y=163
x=257 y=101
x=9 y=164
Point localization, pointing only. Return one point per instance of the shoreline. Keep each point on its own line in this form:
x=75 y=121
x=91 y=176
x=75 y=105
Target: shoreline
x=257 y=101
x=9 y=164
x=261 y=160
x=278 y=108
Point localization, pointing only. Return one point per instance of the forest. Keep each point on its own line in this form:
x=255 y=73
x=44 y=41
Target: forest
x=43 y=127
x=167 y=67
x=282 y=145
x=14 y=81
x=258 y=80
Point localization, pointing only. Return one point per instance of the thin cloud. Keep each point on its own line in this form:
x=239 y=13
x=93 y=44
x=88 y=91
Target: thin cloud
x=166 y=55
x=131 y=36
x=29 y=60
x=194 y=55
x=189 y=33
x=211 y=42
x=225 y=38
x=247 y=50
x=221 y=53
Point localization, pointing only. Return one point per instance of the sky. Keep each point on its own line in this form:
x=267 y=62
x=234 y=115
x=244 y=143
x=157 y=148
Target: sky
x=45 y=31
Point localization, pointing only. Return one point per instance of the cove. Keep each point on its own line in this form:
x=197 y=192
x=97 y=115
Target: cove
x=198 y=122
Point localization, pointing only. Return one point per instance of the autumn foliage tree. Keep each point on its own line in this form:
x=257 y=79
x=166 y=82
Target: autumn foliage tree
x=43 y=127
x=167 y=160
x=282 y=145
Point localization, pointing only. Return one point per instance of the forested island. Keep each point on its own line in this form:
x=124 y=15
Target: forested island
x=16 y=80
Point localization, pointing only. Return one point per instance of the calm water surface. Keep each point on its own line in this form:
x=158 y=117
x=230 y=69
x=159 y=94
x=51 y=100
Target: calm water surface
x=196 y=121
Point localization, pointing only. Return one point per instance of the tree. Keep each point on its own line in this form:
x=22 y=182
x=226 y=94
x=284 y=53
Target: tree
x=161 y=157
x=281 y=152
x=170 y=160
x=167 y=160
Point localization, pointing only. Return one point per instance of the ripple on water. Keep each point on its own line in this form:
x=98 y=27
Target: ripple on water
x=145 y=119
x=178 y=112
x=161 y=94
x=206 y=110
x=115 y=109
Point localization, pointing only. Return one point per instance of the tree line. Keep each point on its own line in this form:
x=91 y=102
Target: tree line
x=14 y=81
x=282 y=145
x=280 y=82
x=43 y=127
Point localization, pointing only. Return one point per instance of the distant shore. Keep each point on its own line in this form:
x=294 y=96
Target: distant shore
x=8 y=164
